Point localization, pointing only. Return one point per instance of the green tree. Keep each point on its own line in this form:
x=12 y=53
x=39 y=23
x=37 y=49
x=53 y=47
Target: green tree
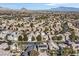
x=68 y=51
x=59 y=38
x=25 y=37
x=20 y=38
x=31 y=24
x=20 y=41
x=33 y=38
x=39 y=38
x=46 y=29
x=52 y=52
x=73 y=37
x=54 y=38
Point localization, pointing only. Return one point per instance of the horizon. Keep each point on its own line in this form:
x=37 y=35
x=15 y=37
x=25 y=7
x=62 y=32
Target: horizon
x=38 y=6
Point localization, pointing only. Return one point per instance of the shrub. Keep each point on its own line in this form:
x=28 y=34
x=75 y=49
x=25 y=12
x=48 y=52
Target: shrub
x=34 y=53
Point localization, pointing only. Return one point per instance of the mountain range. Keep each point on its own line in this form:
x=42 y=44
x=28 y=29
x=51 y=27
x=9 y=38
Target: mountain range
x=64 y=9
x=51 y=9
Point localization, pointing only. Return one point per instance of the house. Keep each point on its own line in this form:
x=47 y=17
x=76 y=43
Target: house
x=33 y=46
x=43 y=47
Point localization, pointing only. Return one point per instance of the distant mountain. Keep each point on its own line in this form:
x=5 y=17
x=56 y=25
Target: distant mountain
x=65 y=9
x=4 y=10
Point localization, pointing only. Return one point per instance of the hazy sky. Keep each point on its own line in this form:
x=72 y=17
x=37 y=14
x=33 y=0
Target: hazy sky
x=37 y=5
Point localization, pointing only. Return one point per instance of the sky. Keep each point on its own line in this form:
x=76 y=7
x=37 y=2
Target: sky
x=38 y=6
